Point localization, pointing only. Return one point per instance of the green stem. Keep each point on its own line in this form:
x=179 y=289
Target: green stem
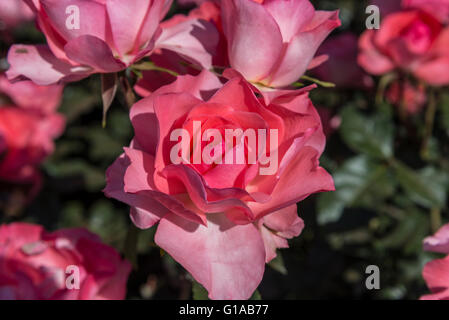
x=319 y=82
x=383 y=84
x=435 y=219
x=429 y=125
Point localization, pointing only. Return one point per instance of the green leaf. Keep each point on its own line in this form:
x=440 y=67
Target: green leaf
x=278 y=264
x=426 y=187
x=330 y=207
x=408 y=233
x=131 y=245
x=444 y=107
x=256 y=296
x=360 y=182
x=198 y=291
x=369 y=135
x=92 y=177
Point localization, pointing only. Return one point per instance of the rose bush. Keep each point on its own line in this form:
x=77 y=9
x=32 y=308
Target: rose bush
x=222 y=222
x=34 y=265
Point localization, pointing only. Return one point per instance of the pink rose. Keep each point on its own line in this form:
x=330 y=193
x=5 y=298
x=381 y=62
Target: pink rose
x=97 y=36
x=436 y=272
x=27 y=95
x=341 y=68
x=69 y=264
x=14 y=12
x=28 y=138
x=412 y=41
x=222 y=220
x=28 y=126
x=437 y=8
x=274 y=42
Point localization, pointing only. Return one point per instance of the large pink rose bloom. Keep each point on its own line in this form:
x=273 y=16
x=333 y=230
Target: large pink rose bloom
x=37 y=265
x=222 y=221
x=14 y=12
x=412 y=41
x=28 y=125
x=274 y=42
x=437 y=8
x=110 y=36
x=436 y=272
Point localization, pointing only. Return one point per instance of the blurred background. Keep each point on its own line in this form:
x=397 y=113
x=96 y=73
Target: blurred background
x=391 y=186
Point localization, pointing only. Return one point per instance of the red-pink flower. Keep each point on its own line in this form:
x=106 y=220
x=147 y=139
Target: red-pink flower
x=69 y=264
x=28 y=125
x=27 y=95
x=436 y=272
x=28 y=139
x=341 y=68
x=437 y=8
x=97 y=36
x=13 y=12
x=412 y=41
x=274 y=42
x=221 y=220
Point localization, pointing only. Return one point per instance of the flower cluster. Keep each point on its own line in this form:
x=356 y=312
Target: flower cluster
x=228 y=69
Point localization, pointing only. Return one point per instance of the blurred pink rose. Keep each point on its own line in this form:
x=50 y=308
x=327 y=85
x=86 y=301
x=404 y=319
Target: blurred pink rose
x=35 y=265
x=28 y=126
x=412 y=97
x=412 y=41
x=27 y=95
x=111 y=35
x=29 y=140
x=436 y=272
x=213 y=218
x=437 y=8
x=274 y=42
x=341 y=68
x=14 y=12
